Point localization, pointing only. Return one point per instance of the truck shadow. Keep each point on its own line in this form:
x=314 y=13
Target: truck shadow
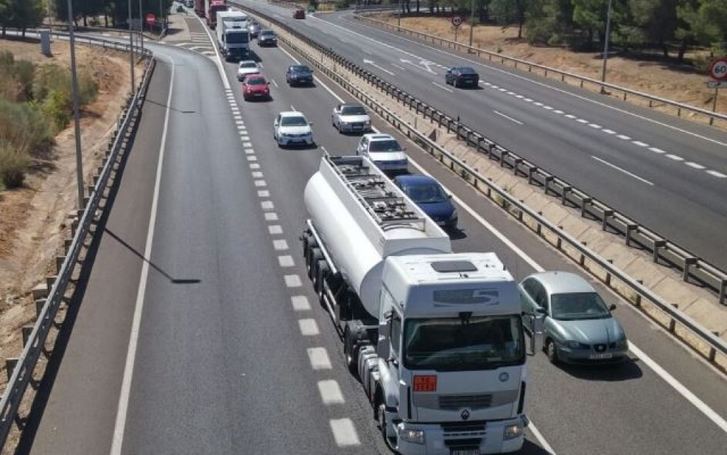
x=531 y=448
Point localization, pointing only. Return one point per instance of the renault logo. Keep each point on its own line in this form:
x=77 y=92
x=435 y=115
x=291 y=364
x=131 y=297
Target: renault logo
x=465 y=414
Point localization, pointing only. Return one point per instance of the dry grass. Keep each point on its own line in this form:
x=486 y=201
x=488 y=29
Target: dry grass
x=667 y=80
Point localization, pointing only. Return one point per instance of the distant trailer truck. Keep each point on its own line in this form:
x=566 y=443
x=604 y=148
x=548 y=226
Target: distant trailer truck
x=212 y=7
x=199 y=7
x=233 y=37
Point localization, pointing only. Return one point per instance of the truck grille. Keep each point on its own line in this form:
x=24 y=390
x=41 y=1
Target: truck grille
x=454 y=402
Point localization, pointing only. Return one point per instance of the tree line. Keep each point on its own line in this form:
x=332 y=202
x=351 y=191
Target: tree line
x=668 y=25
x=23 y=14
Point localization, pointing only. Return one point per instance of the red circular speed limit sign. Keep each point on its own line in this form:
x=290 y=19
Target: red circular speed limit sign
x=718 y=70
x=457 y=21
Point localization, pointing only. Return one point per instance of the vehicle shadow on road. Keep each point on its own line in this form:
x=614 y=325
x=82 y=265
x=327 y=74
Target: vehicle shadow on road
x=456 y=233
x=627 y=370
x=531 y=448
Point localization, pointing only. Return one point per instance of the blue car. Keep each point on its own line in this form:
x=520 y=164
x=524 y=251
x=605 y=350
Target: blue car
x=429 y=195
x=299 y=75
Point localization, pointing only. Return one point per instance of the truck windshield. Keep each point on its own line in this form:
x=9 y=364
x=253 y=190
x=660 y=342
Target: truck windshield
x=237 y=38
x=459 y=344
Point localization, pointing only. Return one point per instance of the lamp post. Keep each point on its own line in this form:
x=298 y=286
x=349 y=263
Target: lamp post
x=141 y=29
x=605 y=46
x=398 y=18
x=131 y=51
x=76 y=115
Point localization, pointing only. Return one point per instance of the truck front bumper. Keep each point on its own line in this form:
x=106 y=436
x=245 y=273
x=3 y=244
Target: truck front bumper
x=439 y=440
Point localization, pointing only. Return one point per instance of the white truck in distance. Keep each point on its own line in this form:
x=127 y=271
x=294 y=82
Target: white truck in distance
x=435 y=338
x=233 y=37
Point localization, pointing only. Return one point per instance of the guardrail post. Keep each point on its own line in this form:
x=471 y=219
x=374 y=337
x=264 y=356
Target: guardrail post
x=546 y=183
x=688 y=263
x=585 y=203
x=26 y=330
x=503 y=156
x=10 y=364
x=516 y=162
x=722 y=291
x=658 y=245
x=629 y=229
x=531 y=171
x=607 y=214
x=564 y=195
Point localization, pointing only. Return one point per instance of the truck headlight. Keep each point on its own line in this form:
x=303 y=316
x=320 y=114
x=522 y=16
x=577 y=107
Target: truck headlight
x=512 y=431
x=413 y=436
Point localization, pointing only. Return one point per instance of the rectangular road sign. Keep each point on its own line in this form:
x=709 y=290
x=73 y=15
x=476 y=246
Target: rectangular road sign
x=716 y=84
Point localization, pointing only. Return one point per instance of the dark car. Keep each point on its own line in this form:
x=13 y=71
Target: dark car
x=267 y=38
x=299 y=75
x=462 y=76
x=299 y=14
x=429 y=195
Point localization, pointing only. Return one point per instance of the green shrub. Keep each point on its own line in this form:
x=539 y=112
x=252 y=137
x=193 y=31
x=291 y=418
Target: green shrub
x=57 y=107
x=48 y=78
x=24 y=127
x=87 y=87
x=13 y=165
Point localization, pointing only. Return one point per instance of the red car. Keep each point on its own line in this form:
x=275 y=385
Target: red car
x=255 y=87
x=299 y=14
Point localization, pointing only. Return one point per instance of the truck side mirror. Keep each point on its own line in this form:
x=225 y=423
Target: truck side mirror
x=612 y=307
x=382 y=347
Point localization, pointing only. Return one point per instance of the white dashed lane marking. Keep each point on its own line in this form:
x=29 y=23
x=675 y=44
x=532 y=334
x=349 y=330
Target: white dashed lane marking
x=280 y=245
x=260 y=183
x=319 y=358
x=293 y=281
x=300 y=303
x=330 y=391
x=254 y=166
x=257 y=175
x=275 y=229
x=267 y=205
x=657 y=150
x=694 y=165
x=344 y=432
x=623 y=137
x=674 y=157
x=717 y=174
x=286 y=261
x=263 y=193
x=252 y=158
x=640 y=144
x=271 y=216
x=308 y=327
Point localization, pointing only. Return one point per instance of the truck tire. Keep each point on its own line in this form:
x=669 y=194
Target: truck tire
x=314 y=256
x=307 y=240
x=321 y=275
x=350 y=353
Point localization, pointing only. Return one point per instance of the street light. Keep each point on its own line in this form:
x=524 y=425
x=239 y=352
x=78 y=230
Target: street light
x=605 y=46
x=76 y=116
x=141 y=28
x=131 y=51
x=472 y=21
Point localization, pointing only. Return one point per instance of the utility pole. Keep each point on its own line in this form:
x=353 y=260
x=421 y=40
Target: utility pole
x=141 y=29
x=472 y=21
x=398 y=18
x=131 y=51
x=605 y=46
x=76 y=115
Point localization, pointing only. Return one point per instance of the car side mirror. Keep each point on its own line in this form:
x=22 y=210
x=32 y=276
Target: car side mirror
x=449 y=196
x=267 y=83
x=310 y=124
x=612 y=307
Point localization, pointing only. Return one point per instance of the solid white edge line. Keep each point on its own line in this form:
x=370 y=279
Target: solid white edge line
x=218 y=60
x=508 y=117
x=539 y=436
x=121 y=412
x=620 y=169
x=659 y=370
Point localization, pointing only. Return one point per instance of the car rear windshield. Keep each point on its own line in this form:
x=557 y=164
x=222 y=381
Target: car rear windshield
x=293 y=121
x=255 y=81
x=466 y=70
x=248 y=65
x=578 y=305
x=425 y=193
x=267 y=34
x=353 y=110
x=388 y=145
x=301 y=69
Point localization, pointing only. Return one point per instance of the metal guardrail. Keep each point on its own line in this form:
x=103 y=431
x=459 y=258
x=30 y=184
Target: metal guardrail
x=653 y=101
x=535 y=221
x=34 y=345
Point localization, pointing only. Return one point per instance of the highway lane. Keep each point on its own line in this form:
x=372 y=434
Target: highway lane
x=633 y=391
x=651 y=166
x=221 y=364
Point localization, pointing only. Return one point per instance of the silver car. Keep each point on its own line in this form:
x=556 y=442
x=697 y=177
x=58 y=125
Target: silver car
x=350 y=118
x=578 y=326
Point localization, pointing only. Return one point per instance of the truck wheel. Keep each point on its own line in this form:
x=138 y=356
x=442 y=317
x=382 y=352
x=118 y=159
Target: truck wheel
x=315 y=256
x=381 y=419
x=308 y=242
x=321 y=276
x=350 y=353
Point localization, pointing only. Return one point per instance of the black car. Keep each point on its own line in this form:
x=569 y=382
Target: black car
x=267 y=38
x=462 y=76
x=299 y=75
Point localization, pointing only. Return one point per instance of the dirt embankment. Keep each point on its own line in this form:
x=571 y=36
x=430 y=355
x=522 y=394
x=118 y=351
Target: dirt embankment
x=656 y=77
x=33 y=218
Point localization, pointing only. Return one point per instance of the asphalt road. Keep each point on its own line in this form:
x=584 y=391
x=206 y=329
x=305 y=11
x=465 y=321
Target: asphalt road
x=666 y=173
x=233 y=353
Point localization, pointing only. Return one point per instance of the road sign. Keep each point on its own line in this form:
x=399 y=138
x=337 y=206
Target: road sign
x=717 y=84
x=150 y=19
x=457 y=21
x=718 y=70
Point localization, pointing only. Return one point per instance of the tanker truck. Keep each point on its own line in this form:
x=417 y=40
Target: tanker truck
x=435 y=337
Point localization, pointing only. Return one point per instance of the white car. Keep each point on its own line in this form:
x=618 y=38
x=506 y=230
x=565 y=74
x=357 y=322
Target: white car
x=384 y=151
x=246 y=68
x=292 y=128
x=350 y=118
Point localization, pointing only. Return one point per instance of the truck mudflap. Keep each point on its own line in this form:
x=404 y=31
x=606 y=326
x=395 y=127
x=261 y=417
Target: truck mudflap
x=461 y=438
